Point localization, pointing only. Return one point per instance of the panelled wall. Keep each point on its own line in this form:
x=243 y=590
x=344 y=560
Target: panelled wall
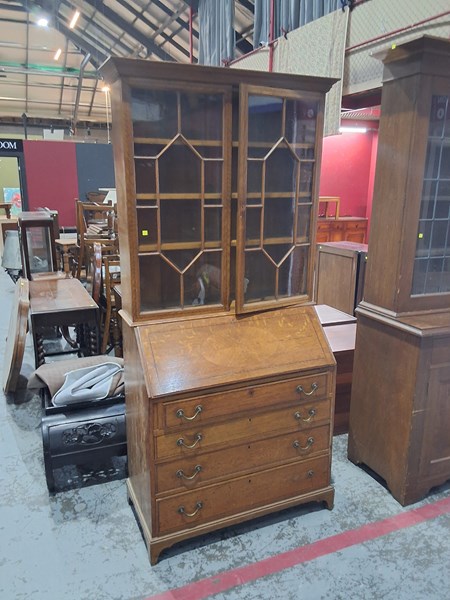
x=58 y=172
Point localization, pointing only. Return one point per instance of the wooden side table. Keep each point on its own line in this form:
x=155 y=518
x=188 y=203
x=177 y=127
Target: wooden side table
x=63 y=245
x=63 y=303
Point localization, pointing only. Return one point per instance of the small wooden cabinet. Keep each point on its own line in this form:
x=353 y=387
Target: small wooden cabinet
x=344 y=229
x=229 y=405
x=399 y=414
x=340 y=274
x=37 y=243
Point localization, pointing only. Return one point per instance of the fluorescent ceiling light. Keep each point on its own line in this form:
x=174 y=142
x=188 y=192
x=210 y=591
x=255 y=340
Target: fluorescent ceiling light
x=352 y=130
x=42 y=22
x=57 y=54
x=74 y=20
x=105 y=88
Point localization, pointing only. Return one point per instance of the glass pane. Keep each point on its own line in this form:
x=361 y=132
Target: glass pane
x=445 y=160
x=437 y=117
x=179 y=170
x=281 y=170
x=301 y=118
x=234 y=213
x=443 y=200
x=306 y=177
x=159 y=283
x=277 y=252
x=213 y=151
x=254 y=176
x=39 y=249
x=147 y=225
x=154 y=113
x=279 y=218
x=303 y=223
x=145 y=170
x=181 y=259
x=293 y=272
x=260 y=273
x=265 y=118
x=180 y=221
x=428 y=199
x=432 y=265
x=201 y=116
x=253 y=226
x=439 y=239
x=213 y=224
x=203 y=280
x=213 y=176
x=433 y=159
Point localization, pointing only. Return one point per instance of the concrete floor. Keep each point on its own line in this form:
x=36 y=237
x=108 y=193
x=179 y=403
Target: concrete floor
x=84 y=544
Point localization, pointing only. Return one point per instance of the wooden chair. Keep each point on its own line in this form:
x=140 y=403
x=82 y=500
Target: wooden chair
x=111 y=328
x=95 y=222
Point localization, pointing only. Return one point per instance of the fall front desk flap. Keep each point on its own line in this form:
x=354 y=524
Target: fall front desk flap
x=198 y=354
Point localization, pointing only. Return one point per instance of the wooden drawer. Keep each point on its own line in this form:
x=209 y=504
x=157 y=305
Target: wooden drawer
x=246 y=427
x=190 y=472
x=189 y=413
x=240 y=495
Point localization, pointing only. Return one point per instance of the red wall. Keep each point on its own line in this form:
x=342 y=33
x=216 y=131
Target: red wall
x=51 y=176
x=348 y=165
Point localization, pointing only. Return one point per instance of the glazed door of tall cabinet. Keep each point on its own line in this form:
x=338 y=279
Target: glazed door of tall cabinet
x=182 y=144
x=277 y=187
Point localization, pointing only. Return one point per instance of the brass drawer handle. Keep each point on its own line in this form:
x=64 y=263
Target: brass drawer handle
x=309 y=443
x=197 y=438
x=180 y=413
x=180 y=474
x=311 y=412
x=300 y=389
x=198 y=507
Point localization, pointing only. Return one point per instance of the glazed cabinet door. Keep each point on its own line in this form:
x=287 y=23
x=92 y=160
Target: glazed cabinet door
x=181 y=156
x=279 y=152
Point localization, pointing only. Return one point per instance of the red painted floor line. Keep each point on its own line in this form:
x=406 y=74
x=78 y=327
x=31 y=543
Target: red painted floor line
x=235 y=577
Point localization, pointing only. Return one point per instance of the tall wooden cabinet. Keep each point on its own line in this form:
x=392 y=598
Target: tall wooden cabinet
x=229 y=378
x=400 y=411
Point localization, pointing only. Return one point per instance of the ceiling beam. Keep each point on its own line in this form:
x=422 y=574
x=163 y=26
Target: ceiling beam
x=152 y=26
x=184 y=24
x=130 y=30
x=95 y=40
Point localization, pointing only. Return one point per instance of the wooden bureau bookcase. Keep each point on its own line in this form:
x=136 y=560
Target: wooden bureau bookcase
x=229 y=377
x=400 y=409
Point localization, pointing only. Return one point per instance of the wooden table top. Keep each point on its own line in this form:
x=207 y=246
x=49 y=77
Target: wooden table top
x=66 y=242
x=332 y=316
x=59 y=295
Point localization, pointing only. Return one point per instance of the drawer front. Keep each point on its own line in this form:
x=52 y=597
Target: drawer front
x=247 y=427
x=187 y=413
x=190 y=509
x=78 y=435
x=190 y=472
x=356 y=225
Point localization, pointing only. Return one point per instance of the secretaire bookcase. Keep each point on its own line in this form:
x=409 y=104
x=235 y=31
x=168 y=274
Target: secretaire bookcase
x=229 y=378
x=400 y=409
